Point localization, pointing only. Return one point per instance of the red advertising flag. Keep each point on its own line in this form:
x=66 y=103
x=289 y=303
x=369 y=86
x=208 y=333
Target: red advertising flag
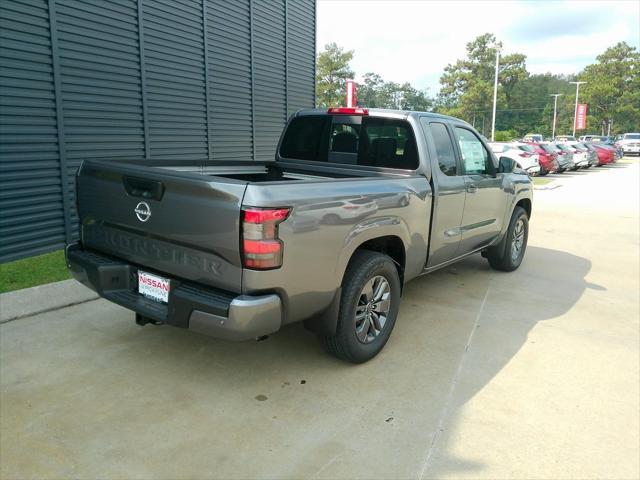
x=581 y=116
x=352 y=93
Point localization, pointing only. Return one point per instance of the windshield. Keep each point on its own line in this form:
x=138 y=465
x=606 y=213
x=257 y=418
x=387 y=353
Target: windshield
x=632 y=136
x=527 y=148
x=547 y=148
x=561 y=146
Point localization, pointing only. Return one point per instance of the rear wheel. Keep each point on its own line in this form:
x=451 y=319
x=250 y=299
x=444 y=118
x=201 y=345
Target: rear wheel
x=508 y=254
x=368 y=308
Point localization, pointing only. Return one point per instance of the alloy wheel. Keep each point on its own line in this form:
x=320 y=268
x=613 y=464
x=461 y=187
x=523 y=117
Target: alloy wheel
x=518 y=240
x=372 y=309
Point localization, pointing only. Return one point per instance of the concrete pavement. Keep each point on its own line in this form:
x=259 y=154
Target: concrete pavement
x=43 y=298
x=532 y=374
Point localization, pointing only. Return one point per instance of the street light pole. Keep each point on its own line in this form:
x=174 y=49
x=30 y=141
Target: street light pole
x=555 y=108
x=495 y=97
x=575 y=113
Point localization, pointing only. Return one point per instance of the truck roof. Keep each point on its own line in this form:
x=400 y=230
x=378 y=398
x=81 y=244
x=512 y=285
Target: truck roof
x=384 y=112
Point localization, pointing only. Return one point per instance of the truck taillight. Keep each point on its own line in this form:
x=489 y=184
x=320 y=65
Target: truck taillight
x=261 y=247
x=347 y=111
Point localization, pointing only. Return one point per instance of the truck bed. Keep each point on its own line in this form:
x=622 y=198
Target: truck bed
x=183 y=218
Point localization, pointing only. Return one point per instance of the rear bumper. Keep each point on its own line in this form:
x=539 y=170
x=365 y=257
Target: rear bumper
x=550 y=167
x=201 y=309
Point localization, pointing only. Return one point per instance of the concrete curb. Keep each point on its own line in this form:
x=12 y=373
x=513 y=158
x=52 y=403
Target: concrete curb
x=34 y=300
x=549 y=186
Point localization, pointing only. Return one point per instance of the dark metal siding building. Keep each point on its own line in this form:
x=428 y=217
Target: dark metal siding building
x=201 y=79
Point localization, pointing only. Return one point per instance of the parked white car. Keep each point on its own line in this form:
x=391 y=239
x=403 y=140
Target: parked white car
x=580 y=154
x=629 y=143
x=529 y=162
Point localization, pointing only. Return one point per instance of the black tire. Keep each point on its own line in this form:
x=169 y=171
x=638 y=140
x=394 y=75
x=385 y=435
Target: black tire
x=502 y=256
x=346 y=344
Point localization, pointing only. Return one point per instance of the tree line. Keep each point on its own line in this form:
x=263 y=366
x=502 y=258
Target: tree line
x=524 y=102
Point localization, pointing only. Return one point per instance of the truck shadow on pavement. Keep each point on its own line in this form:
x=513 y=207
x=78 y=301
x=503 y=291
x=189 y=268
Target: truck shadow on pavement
x=547 y=285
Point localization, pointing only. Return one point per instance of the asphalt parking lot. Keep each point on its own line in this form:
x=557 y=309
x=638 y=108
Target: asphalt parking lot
x=532 y=374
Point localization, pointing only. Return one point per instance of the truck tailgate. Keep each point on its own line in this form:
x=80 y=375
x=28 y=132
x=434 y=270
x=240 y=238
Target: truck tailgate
x=182 y=224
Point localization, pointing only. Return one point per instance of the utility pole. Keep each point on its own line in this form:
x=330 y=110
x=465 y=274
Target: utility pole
x=575 y=113
x=495 y=97
x=555 y=108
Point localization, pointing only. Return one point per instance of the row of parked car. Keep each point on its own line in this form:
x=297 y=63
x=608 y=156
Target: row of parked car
x=539 y=157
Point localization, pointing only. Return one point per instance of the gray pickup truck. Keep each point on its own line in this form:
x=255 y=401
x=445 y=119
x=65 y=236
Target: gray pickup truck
x=357 y=203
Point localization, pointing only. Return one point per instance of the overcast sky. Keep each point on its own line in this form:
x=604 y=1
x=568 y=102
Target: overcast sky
x=413 y=40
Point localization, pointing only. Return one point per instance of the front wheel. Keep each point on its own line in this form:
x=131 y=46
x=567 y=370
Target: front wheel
x=508 y=254
x=368 y=308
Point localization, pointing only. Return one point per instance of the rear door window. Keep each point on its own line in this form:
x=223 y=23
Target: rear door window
x=387 y=143
x=444 y=149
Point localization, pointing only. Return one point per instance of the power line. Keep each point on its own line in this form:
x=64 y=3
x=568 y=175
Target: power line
x=534 y=108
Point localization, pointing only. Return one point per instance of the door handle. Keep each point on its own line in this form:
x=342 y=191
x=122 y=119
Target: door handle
x=471 y=188
x=139 y=187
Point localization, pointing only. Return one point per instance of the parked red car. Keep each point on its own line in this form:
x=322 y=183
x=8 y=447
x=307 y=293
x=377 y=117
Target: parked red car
x=605 y=154
x=548 y=160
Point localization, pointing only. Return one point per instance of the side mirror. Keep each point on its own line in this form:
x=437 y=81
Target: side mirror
x=506 y=165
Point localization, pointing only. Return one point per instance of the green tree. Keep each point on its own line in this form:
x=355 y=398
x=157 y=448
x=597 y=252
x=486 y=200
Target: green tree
x=612 y=91
x=413 y=99
x=530 y=108
x=467 y=85
x=332 y=72
x=374 y=92
x=369 y=90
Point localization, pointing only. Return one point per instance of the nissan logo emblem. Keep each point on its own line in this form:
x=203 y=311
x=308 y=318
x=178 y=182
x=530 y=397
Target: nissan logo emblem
x=143 y=212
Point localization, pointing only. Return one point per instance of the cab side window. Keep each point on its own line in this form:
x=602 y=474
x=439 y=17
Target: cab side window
x=444 y=149
x=475 y=158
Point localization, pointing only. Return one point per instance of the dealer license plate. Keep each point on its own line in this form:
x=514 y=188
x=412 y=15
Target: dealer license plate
x=153 y=287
